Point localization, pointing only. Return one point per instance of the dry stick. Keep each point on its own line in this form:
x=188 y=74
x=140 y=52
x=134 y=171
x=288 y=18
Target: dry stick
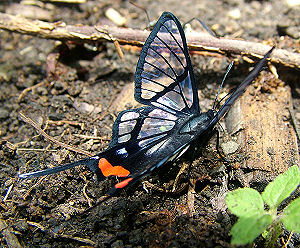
x=65 y=1
x=73 y=123
x=35 y=149
x=8 y=192
x=126 y=36
x=41 y=179
x=191 y=198
x=86 y=196
x=289 y=238
x=24 y=92
x=48 y=137
x=106 y=112
x=294 y=123
x=56 y=235
x=116 y=43
x=91 y=137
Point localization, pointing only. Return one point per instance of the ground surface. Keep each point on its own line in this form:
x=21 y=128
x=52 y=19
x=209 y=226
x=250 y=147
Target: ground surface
x=82 y=92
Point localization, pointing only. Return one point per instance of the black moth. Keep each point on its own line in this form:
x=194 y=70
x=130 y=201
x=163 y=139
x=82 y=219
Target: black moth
x=146 y=138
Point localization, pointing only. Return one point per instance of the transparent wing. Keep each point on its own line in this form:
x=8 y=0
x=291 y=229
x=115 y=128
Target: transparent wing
x=164 y=77
x=142 y=126
x=138 y=137
x=140 y=142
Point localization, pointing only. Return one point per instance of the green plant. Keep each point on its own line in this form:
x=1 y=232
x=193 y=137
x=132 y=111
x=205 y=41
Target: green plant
x=254 y=219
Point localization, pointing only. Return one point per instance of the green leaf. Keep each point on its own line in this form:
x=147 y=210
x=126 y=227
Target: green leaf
x=245 y=202
x=245 y=230
x=291 y=217
x=281 y=187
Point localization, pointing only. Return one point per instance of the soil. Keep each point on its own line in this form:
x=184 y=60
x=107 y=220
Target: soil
x=76 y=100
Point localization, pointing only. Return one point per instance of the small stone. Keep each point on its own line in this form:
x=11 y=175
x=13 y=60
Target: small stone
x=84 y=107
x=229 y=147
x=297 y=115
x=117 y=243
x=292 y=3
x=4 y=114
x=234 y=14
x=115 y=17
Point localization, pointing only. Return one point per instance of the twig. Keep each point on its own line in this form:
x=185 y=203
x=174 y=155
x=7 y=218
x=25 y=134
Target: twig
x=48 y=137
x=24 y=92
x=33 y=187
x=7 y=192
x=191 y=198
x=35 y=150
x=106 y=112
x=116 y=43
x=91 y=137
x=82 y=240
x=288 y=240
x=37 y=225
x=66 y=1
x=8 y=235
x=294 y=123
x=86 y=196
x=73 y=123
x=55 y=235
x=127 y=36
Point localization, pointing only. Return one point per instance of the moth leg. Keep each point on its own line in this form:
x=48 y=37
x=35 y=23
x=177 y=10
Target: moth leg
x=184 y=167
x=218 y=148
x=212 y=33
x=147 y=184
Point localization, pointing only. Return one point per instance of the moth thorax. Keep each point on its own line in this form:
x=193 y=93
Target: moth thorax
x=197 y=123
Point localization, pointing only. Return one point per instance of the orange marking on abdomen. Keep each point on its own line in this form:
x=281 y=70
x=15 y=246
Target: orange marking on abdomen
x=108 y=170
x=123 y=183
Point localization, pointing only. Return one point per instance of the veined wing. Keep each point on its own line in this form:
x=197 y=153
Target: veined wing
x=164 y=76
x=139 y=135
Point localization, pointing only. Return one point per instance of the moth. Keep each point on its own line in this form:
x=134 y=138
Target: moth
x=171 y=122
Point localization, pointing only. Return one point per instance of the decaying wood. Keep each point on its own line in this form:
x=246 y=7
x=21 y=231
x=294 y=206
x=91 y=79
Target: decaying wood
x=124 y=100
x=127 y=36
x=261 y=123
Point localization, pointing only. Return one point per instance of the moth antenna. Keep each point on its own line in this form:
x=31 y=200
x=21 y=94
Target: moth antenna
x=223 y=80
x=222 y=129
x=142 y=8
x=212 y=33
x=242 y=87
x=219 y=102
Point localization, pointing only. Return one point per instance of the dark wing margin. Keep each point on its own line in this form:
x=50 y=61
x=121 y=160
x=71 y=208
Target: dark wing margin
x=164 y=76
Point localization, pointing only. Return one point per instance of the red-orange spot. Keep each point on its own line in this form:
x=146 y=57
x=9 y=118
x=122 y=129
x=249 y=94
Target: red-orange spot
x=123 y=183
x=108 y=170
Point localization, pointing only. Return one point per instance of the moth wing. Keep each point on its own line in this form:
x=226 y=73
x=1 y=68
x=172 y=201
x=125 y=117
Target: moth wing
x=164 y=76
